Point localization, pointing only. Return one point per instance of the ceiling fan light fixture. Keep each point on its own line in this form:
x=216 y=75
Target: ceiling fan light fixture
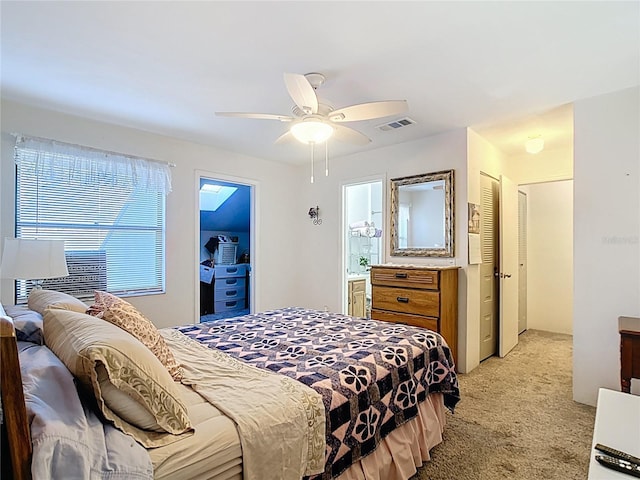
x=534 y=145
x=311 y=130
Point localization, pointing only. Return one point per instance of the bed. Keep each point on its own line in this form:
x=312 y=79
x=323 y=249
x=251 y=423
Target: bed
x=285 y=394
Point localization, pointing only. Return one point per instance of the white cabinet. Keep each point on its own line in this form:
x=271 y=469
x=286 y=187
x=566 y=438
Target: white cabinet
x=230 y=287
x=617 y=426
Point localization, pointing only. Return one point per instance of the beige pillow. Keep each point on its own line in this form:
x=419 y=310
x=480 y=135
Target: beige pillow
x=124 y=315
x=40 y=299
x=131 y=387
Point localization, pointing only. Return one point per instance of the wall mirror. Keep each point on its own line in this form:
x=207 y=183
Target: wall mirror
x=422 y=223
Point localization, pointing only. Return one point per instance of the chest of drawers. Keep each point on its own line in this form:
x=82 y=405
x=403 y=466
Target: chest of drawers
x=229 y=287
x=421 y=296
x=629 y=328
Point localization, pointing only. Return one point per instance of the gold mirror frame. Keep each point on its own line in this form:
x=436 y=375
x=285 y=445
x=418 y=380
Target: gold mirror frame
x=447 y=250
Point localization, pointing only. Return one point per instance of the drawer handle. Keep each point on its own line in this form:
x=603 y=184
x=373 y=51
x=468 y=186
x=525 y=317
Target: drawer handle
x=231 y=281
x=402 y=299
x=401 y=275
x=232 y=270
x=231 y=304
x=231 y=293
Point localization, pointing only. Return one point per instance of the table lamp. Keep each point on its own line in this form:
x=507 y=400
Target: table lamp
x=34 y=260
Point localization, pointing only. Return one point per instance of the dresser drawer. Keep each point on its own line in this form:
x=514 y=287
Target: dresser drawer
x=403 y=300
x=226 y=271
x=405 y=277
x=232 y=293
x=405 y=318
x=229 y=282
x=228 y=305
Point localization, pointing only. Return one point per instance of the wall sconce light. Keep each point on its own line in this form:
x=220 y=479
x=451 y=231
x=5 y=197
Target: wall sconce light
x=534 y=145
x=314 y=214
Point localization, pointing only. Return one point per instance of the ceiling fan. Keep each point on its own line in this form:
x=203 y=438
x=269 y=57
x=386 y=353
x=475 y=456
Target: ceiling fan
x=314 y=122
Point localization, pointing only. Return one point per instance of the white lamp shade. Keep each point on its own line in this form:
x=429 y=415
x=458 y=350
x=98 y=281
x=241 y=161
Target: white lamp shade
x=28 y=259
x=311 y=131
x=534 y=145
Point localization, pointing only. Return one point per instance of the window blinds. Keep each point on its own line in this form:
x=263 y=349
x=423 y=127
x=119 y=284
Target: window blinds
x=108 y=208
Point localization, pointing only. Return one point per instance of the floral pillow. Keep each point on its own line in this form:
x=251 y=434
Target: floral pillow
x=103 y=300
x=121 y=313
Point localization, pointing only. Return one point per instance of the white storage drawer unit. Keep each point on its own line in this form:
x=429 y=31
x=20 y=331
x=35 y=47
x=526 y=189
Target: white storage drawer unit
x=229 y=287
x=229 y=293
x=226 y=271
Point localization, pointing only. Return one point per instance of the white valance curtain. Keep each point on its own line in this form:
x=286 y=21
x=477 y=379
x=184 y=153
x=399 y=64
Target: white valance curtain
x=64 y=162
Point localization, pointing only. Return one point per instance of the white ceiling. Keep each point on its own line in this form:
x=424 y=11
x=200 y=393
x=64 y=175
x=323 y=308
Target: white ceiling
x=166 y=67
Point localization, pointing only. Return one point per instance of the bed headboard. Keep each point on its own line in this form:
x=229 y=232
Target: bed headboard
x=13 y=406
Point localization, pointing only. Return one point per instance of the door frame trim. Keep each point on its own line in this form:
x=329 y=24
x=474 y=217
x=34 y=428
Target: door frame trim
x=254 y=250
x=343 y=230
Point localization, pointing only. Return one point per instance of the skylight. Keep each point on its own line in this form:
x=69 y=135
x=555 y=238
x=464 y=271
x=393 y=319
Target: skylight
x=213 y=196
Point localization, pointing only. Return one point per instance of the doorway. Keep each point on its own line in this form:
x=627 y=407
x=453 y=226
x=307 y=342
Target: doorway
x=522 y=261
x=363 y=219
x=225 y=248
x=549 y=261
x=499 y=268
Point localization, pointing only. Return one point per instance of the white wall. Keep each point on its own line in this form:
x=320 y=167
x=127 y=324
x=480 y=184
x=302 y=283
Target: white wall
x=482 y=157
x=606 y=235
x=321 y=245
x=550 y=256
x=277 y=234
x=546 y=166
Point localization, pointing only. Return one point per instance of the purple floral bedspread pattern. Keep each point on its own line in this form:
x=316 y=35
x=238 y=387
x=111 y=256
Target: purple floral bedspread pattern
x=371 y=374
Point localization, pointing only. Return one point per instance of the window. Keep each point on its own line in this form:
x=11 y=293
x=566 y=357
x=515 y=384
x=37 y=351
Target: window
x=108 y=208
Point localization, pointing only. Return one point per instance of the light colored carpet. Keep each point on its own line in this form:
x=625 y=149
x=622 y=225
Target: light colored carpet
x=517 y=419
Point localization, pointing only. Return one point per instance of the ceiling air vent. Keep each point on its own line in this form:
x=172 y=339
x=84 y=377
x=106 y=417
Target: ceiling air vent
x=395 y=124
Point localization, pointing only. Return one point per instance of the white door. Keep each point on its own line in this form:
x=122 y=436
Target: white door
x=508 y=266
x=489 y=285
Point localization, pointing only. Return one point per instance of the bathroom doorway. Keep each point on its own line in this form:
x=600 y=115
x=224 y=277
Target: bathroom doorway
x=363 y=221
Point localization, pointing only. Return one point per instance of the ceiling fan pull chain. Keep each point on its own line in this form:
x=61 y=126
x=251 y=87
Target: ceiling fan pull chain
x=326 y=158
x=312 y=144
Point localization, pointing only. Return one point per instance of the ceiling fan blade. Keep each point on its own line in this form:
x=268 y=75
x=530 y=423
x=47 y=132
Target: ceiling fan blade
x=286 y=137
x=301 y=92
x=259 y=116
x=367 y=111
x=349 y=135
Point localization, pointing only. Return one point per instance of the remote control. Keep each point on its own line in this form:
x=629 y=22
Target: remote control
x=619 y=465
x=612 y=452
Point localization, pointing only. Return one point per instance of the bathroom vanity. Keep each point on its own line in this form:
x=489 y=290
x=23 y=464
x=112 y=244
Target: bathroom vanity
x=356 y=297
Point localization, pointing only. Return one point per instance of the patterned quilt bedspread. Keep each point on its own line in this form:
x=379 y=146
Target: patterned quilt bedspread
x=371 y=374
